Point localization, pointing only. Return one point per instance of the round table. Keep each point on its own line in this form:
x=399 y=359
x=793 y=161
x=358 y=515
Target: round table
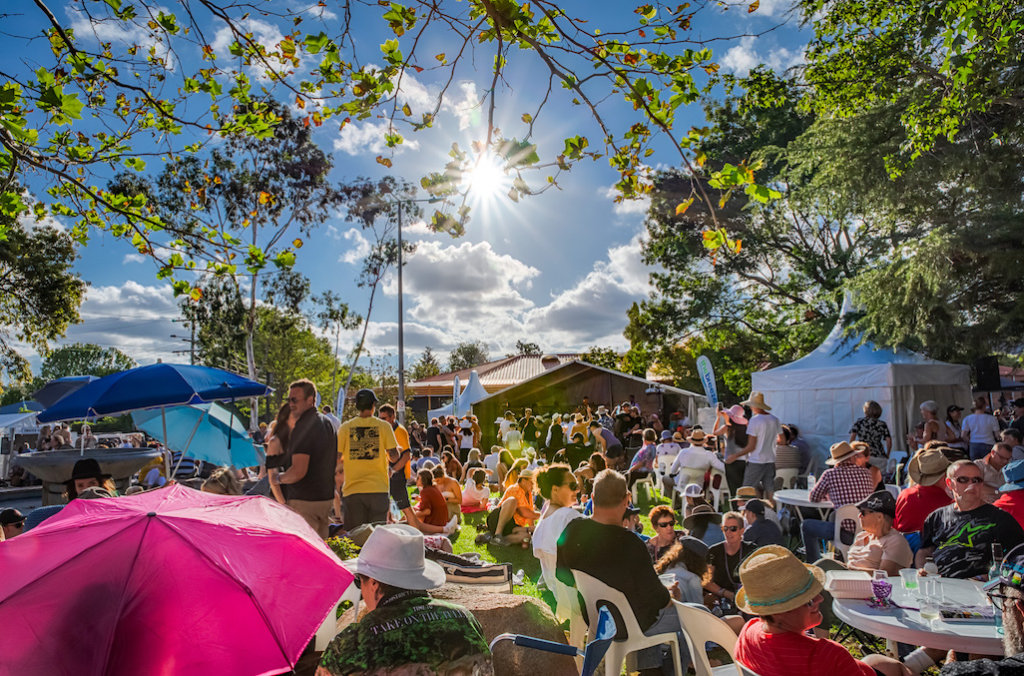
x=800 y=497
x=905 y=625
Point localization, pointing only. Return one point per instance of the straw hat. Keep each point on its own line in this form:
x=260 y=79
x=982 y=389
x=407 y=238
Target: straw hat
x=393 y=554
x=697 y=438
x=701 y=511
x=745 y=493
x=757 y=401
x=928 y=467
x=775 y=581
x=840 y=451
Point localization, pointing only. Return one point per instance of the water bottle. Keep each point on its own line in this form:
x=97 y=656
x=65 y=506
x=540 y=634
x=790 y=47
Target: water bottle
x=810 y=482
x=930 y=567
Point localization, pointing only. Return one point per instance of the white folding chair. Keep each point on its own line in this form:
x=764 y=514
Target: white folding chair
x=845 y=513
x=701 y=627
x=718 y=487
x=646 y=481
x=595 y=593
x=329 y=629
x=661 y=466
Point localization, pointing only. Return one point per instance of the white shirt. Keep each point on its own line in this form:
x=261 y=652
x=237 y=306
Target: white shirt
x=695 y=457
x=766 y=428
x=471 y=494
x=668 y=448
x=491 y=461
x=982 y=428
x=549 y=528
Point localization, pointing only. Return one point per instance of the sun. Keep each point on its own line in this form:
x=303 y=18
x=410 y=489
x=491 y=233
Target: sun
x=487 y=181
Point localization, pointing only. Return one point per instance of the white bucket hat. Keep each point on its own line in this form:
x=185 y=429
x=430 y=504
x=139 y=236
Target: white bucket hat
x=393 y=554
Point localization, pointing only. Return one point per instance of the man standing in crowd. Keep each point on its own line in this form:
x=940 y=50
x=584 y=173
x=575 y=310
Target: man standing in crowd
x=308 y=483
x=365 y=444
x=435 y=438
x=603 y=549
x=762 y=431
x=845 y=483
x=980 y=429
x=959 y=537
x=398 y=466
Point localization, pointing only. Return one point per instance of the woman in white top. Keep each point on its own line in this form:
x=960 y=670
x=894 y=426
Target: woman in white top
x=558 y=485
x=476 y=493
x=980 y=430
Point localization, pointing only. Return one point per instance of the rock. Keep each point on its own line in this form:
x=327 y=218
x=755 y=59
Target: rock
x=511 y=613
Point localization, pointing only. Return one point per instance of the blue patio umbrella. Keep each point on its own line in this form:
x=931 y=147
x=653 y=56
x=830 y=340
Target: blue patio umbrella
x=208 y=432
x=152 y=386
x=57 y=389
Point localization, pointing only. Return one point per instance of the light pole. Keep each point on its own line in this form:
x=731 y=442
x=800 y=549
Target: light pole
x=400 y=404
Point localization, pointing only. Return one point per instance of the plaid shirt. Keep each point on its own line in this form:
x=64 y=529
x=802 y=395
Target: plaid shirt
x=845 y=484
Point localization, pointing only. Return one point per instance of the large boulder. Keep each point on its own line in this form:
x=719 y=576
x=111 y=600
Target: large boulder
x=512 y=613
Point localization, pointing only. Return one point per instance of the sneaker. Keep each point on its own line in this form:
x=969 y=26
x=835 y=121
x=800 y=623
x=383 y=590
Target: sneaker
x=452 y=524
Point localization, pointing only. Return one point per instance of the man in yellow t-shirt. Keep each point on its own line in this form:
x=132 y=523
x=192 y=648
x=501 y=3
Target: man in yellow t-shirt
x=365 y=444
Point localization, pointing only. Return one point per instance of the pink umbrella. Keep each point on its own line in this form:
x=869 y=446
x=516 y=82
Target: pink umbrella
x=172 y=581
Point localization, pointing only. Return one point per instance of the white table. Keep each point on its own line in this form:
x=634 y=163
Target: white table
x=906 y=626
x=800 y=497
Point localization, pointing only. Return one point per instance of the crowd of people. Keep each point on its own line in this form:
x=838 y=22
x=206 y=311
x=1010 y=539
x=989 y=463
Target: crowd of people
x=561 y=486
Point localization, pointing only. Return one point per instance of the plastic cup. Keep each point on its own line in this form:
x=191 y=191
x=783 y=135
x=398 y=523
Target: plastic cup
x=929 y=599
x=909 y=577
x=667 y=579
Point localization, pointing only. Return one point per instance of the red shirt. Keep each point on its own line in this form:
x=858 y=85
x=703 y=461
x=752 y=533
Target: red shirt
x=790 y=653
x=432 y=498
x=915 y=504
x=1012 y=502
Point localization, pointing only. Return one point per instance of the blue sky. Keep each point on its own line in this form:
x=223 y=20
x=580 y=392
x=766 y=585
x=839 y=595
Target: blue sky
x=559 y=269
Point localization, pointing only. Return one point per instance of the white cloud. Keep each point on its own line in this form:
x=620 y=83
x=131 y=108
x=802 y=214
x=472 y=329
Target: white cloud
x=134 y=318
x=119 y=32
x=771 y=8
x=628 y=207
x=265 y=34
x=745 y=56
x=360 y=246
x=360 y=138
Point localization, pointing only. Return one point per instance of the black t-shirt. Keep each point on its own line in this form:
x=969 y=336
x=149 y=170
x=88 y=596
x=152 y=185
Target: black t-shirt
x=963 y=540
x=577 y=453
x=434 y=438
x=1011 y=666
x=727 y=567
x=763 y=532
x=616 y=557
x=314 y=436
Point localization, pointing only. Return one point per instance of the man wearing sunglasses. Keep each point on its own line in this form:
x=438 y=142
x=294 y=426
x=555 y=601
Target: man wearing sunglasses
x=1007 y=596
x=12 y=522
x=959 y=537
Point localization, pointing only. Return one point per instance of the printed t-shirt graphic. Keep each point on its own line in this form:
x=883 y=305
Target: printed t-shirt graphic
x=363 y=444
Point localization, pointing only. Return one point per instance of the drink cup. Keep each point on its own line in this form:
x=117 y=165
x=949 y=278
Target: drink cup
x=909 y=577
x=667 y=579
x=929 y=599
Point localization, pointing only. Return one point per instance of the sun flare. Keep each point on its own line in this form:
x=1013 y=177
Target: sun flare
x=487 y=180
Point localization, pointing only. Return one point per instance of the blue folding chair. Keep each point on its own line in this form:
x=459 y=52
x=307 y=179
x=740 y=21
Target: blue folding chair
x=592 y=654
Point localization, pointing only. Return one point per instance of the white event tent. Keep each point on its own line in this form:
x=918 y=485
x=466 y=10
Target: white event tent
x=824 y=392
x=473 y=392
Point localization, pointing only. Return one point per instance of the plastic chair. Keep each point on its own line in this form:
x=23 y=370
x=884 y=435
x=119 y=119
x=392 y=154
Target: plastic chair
x=329 y=629
x=591 y=655
x=594 y=592
x=661 y=466
x=647 y=481
x=701 y=627
x=718 y=487
x=788 y=476
x=845 y=513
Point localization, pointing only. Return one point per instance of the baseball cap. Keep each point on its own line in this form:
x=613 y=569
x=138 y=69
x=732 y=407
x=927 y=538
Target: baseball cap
x=954 y=407
x=755 y=506
x=631 y=511
x=365 y=398
x=879 y=501
x=1011 y=570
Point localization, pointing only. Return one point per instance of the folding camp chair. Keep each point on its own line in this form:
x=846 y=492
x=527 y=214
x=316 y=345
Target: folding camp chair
x=592 y=654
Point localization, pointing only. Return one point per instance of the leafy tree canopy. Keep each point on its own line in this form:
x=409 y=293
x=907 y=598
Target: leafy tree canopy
x=85 y=359
x=467 y=355
x=426 y=366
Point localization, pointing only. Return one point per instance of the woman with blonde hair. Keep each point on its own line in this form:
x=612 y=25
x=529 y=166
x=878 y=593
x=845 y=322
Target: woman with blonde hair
x=514 y=471
x=223 y=482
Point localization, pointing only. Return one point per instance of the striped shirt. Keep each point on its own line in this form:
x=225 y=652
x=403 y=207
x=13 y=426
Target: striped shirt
x=189 y=466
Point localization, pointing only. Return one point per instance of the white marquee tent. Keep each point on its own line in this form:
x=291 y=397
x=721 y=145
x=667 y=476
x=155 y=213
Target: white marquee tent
x=473 y=392
x=824 y=392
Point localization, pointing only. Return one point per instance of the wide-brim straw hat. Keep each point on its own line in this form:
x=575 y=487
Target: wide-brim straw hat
x=745 y=493
x=697 y=438
x=928 y=466
x=757 y=401
x=703 y=512
x=775 y=581
x=839 y=452
x=394 y=555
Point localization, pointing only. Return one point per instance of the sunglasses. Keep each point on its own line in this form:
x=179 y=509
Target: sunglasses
x=293 y=400
x=665 y=524
x=358 y=581
x=572 y=485
x=969 y=479
x=999 y=600
x=731 y=529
